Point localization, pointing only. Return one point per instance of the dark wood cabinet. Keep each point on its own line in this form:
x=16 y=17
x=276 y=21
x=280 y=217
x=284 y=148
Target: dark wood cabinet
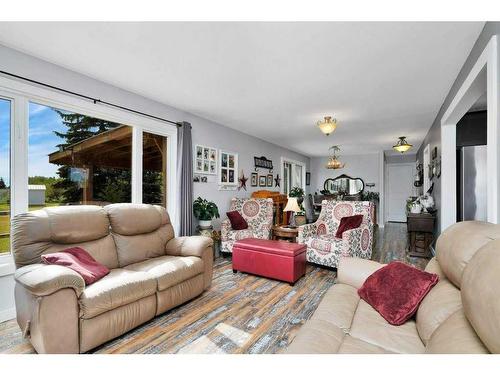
x=421 y=234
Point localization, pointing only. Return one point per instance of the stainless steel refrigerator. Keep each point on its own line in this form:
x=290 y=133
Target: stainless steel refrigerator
x=472 y=183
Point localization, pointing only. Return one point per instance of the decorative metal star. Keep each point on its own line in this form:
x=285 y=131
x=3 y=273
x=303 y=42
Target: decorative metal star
x=243 y=181
x=277 y=181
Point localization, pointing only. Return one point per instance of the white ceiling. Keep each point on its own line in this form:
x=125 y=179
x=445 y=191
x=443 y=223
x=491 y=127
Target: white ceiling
x=273 y=80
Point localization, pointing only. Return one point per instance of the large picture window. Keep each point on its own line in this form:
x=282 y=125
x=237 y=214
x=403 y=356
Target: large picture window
x=76 y=159
x=5 y=207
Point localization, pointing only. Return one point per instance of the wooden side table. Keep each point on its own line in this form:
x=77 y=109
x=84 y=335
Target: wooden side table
x=421 y=232
x=281 y=232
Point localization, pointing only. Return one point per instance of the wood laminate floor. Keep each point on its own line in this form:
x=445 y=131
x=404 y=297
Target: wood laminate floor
x=240 y=313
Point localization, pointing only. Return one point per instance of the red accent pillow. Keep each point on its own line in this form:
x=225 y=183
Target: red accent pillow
x=238 y=222
x=348 y=222
x=79 y=261
x=396 y=291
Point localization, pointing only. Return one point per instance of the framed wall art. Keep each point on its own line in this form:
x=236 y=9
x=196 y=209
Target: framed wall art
x=269 y=180
x=205 y=160
x=262 y=181
x=254 y=180
x=228 y=169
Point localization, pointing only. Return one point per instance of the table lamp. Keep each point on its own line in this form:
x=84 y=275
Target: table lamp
x=293 y=206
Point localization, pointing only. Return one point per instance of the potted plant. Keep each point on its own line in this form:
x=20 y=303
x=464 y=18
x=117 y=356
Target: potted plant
x=205 y=211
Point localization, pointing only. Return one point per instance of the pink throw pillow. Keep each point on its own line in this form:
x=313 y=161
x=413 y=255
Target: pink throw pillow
x=79 y=261
x=396 y=291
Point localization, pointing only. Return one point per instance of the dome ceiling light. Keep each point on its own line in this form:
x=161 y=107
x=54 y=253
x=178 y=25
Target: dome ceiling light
x=328 y=125
x=402 y=145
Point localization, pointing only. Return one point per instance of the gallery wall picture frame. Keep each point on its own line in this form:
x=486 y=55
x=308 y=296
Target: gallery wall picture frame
x=205 y=160
x=262 y=181
x=270 y=180
x=308 y=178
x=254 y=180
x=228 y=169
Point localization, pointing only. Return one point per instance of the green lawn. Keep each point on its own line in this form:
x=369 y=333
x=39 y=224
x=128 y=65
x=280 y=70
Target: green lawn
x=5 y=224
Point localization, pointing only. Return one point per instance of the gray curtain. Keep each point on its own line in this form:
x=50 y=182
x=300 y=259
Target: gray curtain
x=185 y=179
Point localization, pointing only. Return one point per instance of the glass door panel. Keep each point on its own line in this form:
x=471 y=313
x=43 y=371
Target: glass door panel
x=5 y=206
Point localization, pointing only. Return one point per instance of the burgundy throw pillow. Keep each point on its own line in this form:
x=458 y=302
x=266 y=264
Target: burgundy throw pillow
x=348 y=222
x=396 y=291
x=238 y=222
x=79 y=261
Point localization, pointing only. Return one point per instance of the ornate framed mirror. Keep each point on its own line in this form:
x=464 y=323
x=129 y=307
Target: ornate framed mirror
x=344 y=185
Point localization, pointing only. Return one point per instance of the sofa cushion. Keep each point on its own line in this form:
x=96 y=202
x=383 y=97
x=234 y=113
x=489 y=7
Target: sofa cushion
x=455 y=336
x=457 y=245
x=480 y=294
x=118 y=288
x=169 y=270
x=317 y=337
x=338 y=305
x=131 y=219
x=368 y=325
x=442 y=301
x=74 y=224
x=396 y=290
x=133 y=249
x=352 y=345
x=79 y=261
x=52 y=229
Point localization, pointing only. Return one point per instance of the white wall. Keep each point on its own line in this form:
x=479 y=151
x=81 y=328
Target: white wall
x=204 y=132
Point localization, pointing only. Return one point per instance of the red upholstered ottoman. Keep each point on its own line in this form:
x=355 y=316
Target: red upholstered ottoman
x=278 y=260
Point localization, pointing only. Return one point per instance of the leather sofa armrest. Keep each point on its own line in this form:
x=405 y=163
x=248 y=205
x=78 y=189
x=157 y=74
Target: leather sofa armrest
x=198 y=246
x=189 y=246
x=43 y=279
x=354 y=271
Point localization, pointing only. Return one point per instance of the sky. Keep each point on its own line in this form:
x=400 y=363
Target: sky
x=43 y=121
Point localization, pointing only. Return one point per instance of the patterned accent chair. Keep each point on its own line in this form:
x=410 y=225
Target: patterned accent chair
x=324 y=248
x=258 y=212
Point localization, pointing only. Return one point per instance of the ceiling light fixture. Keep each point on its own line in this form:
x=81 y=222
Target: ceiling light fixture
x=333 y=161
x=328 y=125
x=402 y=145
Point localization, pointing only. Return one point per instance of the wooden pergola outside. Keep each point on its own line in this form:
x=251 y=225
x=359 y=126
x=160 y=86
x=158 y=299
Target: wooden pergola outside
x=113 y=149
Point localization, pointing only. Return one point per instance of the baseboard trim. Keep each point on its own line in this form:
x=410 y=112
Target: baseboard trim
x=7 y=314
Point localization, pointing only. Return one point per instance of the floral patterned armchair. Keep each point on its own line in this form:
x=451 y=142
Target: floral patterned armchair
x=258 y=212
x=324 y=248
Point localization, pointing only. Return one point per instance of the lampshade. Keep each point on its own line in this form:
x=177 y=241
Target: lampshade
x=328 y=125
x=402 y=145
x=292 y=205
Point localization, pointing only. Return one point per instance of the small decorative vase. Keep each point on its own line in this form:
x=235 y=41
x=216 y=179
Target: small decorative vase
x=205 y=223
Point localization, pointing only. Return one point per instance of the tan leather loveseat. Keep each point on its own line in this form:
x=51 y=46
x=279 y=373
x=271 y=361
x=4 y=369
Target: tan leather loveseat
x=461 y=314
x=151 y=272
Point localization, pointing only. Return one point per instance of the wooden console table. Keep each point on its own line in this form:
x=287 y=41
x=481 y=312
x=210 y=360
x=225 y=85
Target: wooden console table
x=421 y=232
x=279 y=203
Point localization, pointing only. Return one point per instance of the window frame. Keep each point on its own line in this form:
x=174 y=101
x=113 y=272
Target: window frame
x=21 y=94
x=293 y=163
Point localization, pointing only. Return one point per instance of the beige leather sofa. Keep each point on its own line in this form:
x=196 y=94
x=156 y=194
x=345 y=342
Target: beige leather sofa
x=461 y=314
x=151 y=272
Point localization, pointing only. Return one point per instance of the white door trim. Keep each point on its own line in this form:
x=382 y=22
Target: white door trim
x=484 y=73
x=302 y=164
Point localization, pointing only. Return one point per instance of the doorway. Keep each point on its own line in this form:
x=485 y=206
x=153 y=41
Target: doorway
x=399 y=186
